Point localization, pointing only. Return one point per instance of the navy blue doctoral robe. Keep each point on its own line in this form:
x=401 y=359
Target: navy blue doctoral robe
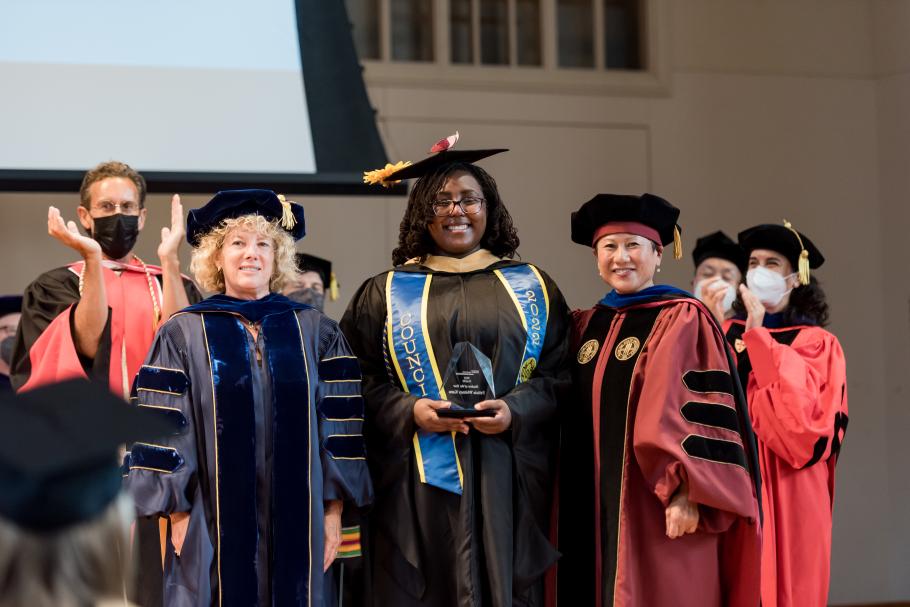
x=270 y=430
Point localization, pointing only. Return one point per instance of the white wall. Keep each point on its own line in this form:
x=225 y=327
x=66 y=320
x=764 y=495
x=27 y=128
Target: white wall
x=773 y=109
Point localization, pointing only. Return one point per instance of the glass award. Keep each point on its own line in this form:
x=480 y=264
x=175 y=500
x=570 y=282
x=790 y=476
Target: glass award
x=468 y=381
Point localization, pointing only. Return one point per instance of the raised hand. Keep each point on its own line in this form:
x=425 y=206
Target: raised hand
x=68 y=234
x=712 y=295
x=493 y=425
x=754 y=308
x=425 y=417
x=172 y=237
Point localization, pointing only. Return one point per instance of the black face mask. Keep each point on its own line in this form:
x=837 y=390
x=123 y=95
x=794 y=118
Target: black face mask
x=6 y=349
x=116 y=234
x=310 y=297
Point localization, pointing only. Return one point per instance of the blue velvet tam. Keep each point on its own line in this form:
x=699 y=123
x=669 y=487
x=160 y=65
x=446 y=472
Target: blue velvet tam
x=58 y=452
x=229 y=204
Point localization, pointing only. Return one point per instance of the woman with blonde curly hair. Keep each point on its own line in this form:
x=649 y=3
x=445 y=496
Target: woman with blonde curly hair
x=267 y=394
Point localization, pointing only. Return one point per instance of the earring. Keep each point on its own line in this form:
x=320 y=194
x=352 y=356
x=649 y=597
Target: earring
x=658 y=268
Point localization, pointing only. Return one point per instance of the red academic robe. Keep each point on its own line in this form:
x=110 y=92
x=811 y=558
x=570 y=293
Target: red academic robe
x=45 y=351
x=797 y=392
x=655 y=404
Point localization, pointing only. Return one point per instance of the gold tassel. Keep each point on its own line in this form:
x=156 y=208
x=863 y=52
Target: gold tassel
x=803 y=265
x=333 y=287
x=677 y=243
x=288 y=221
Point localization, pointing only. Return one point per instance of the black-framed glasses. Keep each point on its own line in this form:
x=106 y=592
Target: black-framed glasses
x=470 y=205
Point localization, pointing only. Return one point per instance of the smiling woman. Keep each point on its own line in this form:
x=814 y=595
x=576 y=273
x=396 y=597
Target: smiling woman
x=659 y=424
x=462 y=508
x=269 y=397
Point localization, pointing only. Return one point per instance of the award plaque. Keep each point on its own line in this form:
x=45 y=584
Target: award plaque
x=468 y=381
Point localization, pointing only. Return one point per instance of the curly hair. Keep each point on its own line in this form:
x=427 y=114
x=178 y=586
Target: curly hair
x=414 y=239
x=106 y=170
x=211 y=278
x=807 y=303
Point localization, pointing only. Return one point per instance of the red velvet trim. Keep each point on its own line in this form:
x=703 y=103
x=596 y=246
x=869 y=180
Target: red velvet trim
x=626 y=227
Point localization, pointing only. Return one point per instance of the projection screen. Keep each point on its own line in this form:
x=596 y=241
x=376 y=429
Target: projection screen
x=202 y=93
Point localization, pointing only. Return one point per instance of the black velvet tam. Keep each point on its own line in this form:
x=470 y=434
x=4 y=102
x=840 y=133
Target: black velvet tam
x=10 y=304
x=718 y=244
x=229 y=204
x=311 y=263
x=648 y=209
x=782 y=240
x=433 y=163
x=58 y=452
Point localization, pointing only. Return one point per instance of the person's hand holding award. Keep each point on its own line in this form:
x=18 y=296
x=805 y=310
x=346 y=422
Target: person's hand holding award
x=468 y=384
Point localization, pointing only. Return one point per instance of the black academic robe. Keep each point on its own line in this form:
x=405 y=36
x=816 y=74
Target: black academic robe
x=271 y=429
x=489 y=546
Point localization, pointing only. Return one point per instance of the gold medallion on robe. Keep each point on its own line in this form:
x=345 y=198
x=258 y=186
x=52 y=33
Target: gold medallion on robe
x=627 y=348
x=587 y=351
x=739 y=345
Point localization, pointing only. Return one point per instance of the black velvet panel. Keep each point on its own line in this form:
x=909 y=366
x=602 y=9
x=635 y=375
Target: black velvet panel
x=236 y=464
x=345 y=447
x=342 y=407
x=711 y=449
x=174 y=417
x=709 y=381
x=711 y=414
x=293 y=565
x=153 y=457
x=341 y=368
x=162 y=380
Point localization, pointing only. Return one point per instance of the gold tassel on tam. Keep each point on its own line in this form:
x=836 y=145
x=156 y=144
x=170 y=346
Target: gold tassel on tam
x=288 y=220
x=677 y=243
x=333 y=287
x=803 y=265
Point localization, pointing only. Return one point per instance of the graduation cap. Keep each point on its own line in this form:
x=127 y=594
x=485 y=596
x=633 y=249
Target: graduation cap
x=323 y=267
x=646 y=215
x=58 y=452
x=10 y=304
x=718 y=244
x=442 y=155
x=784 y=239
x=229 y=204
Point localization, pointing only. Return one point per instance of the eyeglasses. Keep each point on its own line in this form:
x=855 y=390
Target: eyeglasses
x=109 y=208
x=470 y=205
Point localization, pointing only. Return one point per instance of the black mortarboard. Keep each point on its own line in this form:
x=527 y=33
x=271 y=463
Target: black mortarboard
x=628 y=211
x=784 y=239
x=323 y=267
x=236 y=203
x=10 y=304
x=441 y=154
x=59 y=448
x=718 y=244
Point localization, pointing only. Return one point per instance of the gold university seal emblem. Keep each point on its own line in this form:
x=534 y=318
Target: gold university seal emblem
x=587 y=351
x=627 y=348
x=527 y=368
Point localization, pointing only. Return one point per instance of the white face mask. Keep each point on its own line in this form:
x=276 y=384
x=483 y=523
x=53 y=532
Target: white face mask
x=767 y=285
x=729 y=296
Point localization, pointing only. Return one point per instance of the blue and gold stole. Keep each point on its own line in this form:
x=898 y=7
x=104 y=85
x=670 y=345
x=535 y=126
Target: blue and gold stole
x=411 y=352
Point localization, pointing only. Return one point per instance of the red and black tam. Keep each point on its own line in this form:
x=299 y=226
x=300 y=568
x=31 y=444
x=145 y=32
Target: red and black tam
x=647 y=215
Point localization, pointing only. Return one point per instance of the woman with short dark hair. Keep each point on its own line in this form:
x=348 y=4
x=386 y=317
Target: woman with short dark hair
x=462 y=503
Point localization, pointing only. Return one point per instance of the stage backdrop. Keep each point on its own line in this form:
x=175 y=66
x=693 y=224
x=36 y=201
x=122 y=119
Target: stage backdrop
x=193 y=93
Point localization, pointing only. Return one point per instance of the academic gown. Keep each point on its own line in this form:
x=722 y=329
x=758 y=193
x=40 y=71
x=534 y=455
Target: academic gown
x=655 y=403
x=271 y=429
x=45 y=351
x=797 y=390
x=488 y=546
